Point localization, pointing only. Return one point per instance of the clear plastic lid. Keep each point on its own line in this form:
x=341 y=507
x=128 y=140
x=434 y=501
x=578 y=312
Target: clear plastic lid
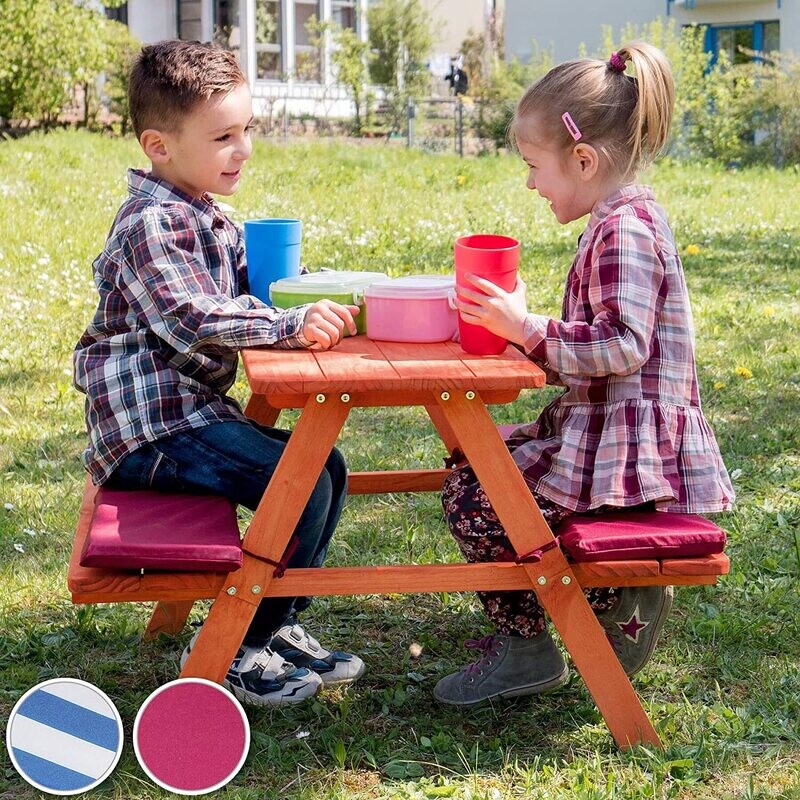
x=328 y=282
x=416 y=287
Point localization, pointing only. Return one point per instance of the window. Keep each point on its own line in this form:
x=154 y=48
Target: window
x=307 y=56
x=120 y=13
x=345 y=13
x=226 y=25
x=772 y=37
x=269 y=56
x=729 y=39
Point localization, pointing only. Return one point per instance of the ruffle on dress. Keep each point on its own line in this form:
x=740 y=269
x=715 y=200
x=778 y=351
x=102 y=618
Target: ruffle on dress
x=585 y=456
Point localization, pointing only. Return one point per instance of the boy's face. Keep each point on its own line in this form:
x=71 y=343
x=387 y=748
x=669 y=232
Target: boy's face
x=208 y=151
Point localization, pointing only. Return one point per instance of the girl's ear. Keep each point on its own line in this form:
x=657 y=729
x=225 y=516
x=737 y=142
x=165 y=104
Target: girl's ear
x=585 y=160
x=154 y=146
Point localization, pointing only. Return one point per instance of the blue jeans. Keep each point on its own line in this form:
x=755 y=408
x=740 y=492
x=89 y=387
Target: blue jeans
x=237 y=460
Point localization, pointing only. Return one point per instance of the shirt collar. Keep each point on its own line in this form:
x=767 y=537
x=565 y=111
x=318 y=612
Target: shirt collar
x=143 y=184
x=618 y=198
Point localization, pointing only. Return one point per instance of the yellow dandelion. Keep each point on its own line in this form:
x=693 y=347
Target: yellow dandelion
x=768 y=311
x=460 y=180
x=743 y=372
x=719 y=385
x=692 y=250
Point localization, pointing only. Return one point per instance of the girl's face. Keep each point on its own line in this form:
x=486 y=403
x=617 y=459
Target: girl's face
x=558 y=179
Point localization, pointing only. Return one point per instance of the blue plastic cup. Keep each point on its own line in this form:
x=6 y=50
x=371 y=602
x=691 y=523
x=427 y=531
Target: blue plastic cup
x=273 y=252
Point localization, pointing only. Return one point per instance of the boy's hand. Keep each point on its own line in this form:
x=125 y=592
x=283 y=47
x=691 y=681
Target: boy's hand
x=325 y=323
x=503 y=313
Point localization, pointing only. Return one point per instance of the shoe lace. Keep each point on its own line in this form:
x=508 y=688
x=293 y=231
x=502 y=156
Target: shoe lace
x=489 y=647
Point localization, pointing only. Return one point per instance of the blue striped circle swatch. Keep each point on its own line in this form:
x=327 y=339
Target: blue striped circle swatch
x=64 y=736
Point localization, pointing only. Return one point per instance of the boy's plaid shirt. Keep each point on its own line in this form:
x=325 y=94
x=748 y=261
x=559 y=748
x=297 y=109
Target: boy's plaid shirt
x=162 y=349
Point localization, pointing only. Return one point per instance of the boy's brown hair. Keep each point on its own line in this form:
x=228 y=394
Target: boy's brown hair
x=169 y=79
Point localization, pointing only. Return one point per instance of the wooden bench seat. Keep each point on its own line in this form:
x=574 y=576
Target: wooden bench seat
x=176 y=591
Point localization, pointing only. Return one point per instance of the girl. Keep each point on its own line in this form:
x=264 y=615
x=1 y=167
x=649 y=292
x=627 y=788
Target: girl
x=628 y=431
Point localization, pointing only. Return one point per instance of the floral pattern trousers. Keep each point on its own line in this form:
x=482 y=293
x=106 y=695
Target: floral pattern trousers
x=481 y=537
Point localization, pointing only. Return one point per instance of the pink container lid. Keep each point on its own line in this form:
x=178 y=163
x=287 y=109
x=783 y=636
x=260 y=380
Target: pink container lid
x=413 y=287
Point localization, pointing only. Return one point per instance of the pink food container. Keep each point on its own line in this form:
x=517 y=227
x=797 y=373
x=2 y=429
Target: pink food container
x=417 y=308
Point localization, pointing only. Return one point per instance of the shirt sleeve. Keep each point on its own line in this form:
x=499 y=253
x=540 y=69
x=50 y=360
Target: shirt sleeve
x=625 y=293
x=168 y=284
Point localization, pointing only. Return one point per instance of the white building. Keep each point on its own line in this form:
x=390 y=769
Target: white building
x=756 y=24
x=270 y=38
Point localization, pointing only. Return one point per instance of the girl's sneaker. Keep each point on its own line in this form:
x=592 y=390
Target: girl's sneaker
x=634 y=622
x=260 y=677
x=511 y=666
x=334 y=667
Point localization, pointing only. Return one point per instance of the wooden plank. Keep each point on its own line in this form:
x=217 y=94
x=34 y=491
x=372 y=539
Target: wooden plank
x=717 y=564
x=275 y=371
x=117 y=586
x=168 y=617
x=356 y=364
x=488 y=369
x=409 y=480
x=386 y=399
x=259 y=410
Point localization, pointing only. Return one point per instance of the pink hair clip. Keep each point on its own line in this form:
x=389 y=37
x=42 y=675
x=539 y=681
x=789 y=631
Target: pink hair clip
x=574 y=130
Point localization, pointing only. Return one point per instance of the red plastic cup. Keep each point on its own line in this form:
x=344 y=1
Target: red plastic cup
x=495 y=258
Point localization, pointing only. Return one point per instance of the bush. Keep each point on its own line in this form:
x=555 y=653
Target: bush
x=51 y=46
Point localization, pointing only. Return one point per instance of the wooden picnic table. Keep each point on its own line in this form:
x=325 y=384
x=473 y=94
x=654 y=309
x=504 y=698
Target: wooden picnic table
x=454 y=388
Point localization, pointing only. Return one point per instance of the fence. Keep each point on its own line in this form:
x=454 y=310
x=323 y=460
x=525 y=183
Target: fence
x=434 y=124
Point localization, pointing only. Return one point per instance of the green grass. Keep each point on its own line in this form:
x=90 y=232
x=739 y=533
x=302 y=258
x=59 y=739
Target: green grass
x=723 y=688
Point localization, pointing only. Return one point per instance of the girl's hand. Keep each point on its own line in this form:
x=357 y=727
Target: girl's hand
x=503 y=313
x=325 y=322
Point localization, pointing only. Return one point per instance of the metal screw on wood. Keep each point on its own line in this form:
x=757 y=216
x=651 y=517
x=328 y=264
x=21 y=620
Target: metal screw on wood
x=541 y=580
x=470 y=395
x=256 y=589
x=320 y=398
x=445 y=395
x=232 y=590
x=566 y=580
x=345 y=398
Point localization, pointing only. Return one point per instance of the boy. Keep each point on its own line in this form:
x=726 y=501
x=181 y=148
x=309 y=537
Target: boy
x=161 y=352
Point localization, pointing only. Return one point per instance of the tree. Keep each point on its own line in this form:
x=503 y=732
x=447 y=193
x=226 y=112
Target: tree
x=49 y=47
x=350 y=57
x=401 y=39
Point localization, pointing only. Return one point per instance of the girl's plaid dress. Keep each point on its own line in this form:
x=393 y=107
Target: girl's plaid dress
x=629 y=429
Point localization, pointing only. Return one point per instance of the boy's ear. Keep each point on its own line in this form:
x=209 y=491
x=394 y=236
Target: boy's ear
x=586 y=160
x=154 y=146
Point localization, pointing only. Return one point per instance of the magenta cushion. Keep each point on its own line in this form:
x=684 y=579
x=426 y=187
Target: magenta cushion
x=153 y=530
x=629 y=535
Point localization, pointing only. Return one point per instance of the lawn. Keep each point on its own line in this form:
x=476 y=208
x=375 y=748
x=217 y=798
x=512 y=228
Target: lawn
x=723 y=688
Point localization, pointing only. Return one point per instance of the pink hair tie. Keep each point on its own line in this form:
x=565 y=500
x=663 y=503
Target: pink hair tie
x=616 y=62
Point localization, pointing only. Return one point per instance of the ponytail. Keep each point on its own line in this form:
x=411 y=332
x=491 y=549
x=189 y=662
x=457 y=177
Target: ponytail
x=626 y=117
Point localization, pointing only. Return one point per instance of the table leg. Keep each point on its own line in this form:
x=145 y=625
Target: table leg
x=260 y=411
x=267 y=537
x=441 y=424
x=551 y=578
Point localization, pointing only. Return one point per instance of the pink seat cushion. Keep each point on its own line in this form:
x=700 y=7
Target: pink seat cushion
x=630 y=535
x=153 y=530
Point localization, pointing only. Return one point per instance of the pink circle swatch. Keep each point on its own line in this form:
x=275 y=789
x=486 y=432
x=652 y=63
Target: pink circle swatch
x=191 y=736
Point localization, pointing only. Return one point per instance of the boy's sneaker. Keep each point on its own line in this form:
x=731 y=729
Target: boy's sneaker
x=511 y=666
x=334 y=667
x=634 y=623
x=260 y=677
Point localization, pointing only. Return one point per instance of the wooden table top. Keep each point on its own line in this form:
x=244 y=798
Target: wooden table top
x=359 y=364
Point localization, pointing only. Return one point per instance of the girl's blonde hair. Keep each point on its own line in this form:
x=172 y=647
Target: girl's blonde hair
x=627 y=118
